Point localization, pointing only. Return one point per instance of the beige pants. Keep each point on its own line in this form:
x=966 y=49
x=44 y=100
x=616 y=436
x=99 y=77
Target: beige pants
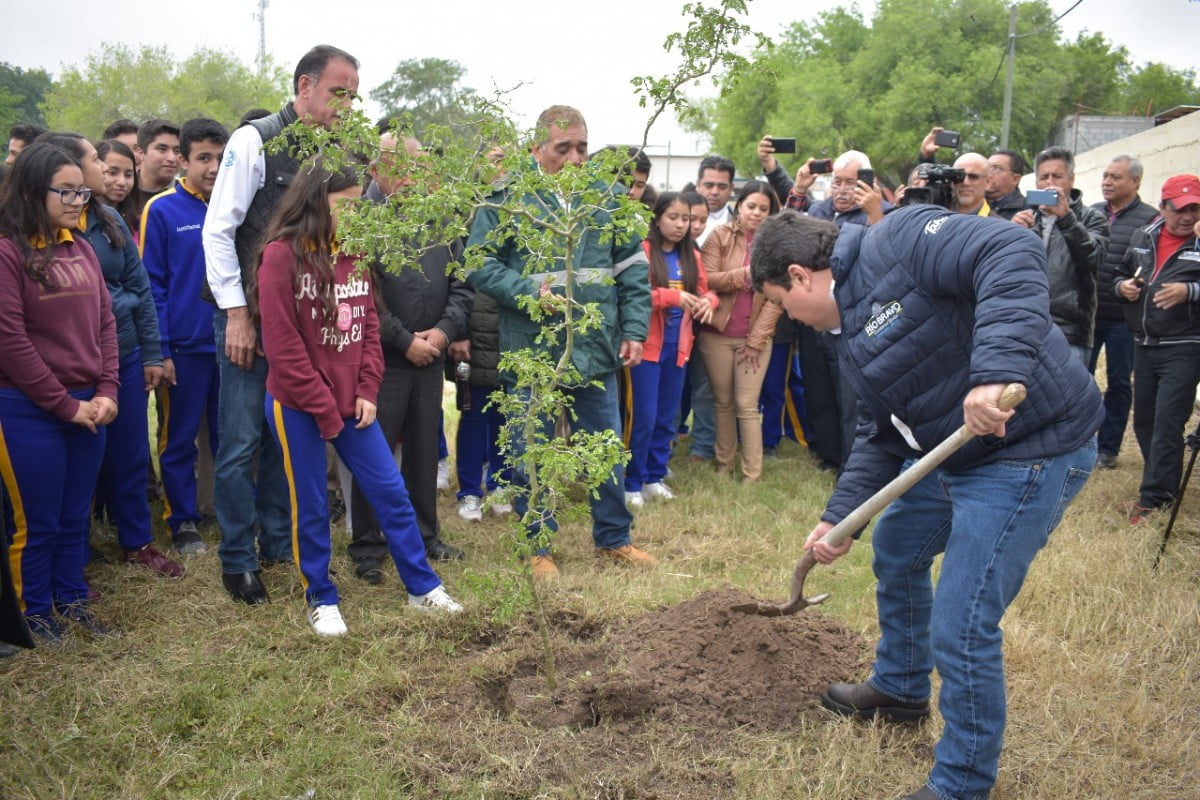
x=735 y=389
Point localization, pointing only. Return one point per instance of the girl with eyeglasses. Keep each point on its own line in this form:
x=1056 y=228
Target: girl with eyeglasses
x=320 y=334
x=58 y=384
x=121 y=488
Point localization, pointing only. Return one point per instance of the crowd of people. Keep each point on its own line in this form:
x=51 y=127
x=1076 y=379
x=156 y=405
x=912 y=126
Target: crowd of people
x=187 y=262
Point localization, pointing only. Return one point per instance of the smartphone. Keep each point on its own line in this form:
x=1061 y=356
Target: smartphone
x=1041 y=197
x=783 y=145
x=947 y=138
x=867 y=176
x=821 y=165
x=1137 y=279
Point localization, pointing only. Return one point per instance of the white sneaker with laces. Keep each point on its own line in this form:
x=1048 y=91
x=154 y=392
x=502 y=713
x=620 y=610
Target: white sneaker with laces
x=502 y=509
x=443 y=475
x=657 y=491
x=634 y=500
x=437 y=600
x=470 y=509
x=327 y=621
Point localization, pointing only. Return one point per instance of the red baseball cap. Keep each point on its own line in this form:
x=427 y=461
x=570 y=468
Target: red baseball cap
x=1185 y=188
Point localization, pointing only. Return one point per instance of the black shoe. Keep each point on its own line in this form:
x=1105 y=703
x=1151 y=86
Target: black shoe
x=864 y=701
x=770 y=452
x=7 y=650
x=1106 y=461
x=47 y=631
x=82 y=616
x=924 y=793
x=437 y=550
x=369 y=570
x=245 y=587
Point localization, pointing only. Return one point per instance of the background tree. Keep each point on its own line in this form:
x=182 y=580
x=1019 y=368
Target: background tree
x=21 y=92
x=119 y=82
x=425 y=91
x=1157 y=87
x=840 y=82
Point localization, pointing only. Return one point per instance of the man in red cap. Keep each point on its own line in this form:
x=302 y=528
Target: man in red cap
x=1159 y=282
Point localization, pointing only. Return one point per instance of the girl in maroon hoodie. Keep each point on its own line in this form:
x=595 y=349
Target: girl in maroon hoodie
x=58 y=384
x=320 y=335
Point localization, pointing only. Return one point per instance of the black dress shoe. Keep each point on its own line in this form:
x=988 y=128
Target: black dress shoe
x=7 y=650
x=437 y=550
x=369 y=570
x=245 y=587
x=864 y=701
x=924 y=793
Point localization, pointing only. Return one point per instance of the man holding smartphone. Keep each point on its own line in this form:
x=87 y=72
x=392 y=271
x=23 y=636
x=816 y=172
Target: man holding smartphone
x=1075 y=238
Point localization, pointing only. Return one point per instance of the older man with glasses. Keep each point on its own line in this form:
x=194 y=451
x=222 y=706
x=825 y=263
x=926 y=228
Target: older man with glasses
x=969 y=194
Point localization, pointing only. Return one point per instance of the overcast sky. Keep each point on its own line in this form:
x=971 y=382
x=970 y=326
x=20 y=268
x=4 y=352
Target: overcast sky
x=556 y=52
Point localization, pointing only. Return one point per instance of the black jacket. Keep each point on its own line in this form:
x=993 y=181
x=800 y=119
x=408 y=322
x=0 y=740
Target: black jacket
x=1008 y=206
x=419 y=299
x=1152 y=325
x=1133 y=216
x=1074 y=252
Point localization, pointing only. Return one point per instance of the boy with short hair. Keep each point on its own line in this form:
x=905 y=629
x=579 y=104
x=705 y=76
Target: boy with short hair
x=173 y=253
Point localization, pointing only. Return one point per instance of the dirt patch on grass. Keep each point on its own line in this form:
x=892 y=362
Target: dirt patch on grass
x=697 y=663
x=644 y=706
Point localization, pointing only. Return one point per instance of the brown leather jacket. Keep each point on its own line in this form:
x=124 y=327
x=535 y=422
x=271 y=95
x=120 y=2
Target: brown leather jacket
x=724 y=259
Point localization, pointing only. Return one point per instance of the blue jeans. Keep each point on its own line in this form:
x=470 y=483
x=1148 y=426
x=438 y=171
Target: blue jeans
x=595 y=409
x=990 y=521
x=1117 y=340
x=704 y=426
x=248 y=502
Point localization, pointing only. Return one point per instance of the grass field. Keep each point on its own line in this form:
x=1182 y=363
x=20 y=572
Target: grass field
x=203 y=698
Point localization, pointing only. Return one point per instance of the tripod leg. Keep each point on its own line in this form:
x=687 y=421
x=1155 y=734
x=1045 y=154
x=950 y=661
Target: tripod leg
x=1193 y=443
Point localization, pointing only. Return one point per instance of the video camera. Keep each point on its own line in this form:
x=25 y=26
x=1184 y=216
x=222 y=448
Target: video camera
x=938 y=190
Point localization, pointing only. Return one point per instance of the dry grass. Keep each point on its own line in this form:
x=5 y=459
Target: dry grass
x=206 y=699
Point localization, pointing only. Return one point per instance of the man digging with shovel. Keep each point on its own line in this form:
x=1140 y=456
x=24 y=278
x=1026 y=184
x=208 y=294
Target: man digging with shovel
x=933 y=315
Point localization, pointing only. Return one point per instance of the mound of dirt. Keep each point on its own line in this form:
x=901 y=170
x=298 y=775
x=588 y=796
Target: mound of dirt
x=697 y=663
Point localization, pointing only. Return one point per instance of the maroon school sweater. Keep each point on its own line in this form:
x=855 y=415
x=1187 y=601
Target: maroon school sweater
x=58 y=339
x=317 y=365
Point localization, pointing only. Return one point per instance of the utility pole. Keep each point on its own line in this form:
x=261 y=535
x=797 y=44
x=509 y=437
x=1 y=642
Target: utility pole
x=261 y=16
x=1008 y=78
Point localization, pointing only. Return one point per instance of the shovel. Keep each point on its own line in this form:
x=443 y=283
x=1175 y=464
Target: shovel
x=1010 y=398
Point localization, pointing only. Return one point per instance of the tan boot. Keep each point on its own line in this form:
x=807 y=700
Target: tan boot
x=543 y=568
x=628 y=554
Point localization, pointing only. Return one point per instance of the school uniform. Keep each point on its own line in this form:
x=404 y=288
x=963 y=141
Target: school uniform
x=58 y=348
x=121 y=487
x=173 y=252
x=656 y=383
x=319 y=366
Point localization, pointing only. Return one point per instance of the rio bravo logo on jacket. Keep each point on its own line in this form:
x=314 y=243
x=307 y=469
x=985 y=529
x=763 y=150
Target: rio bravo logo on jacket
x=882 y=315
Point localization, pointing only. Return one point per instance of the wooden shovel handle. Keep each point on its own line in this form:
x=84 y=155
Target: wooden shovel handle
x=1010 y=398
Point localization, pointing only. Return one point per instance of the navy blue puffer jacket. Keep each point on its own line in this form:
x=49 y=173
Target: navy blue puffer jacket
x=933 y=304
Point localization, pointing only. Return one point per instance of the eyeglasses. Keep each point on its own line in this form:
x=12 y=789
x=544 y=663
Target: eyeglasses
x=998 y=168
x=71 y=196
x=714 y=185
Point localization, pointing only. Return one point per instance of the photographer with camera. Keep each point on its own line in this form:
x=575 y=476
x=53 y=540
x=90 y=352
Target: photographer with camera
x=1075 y=238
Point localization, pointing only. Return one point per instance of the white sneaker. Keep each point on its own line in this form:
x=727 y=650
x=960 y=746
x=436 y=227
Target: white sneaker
x=502 y=509
x=443 y=475
x=327 y=621
x=470 y=509
x=634 y=500
x=437 y=600
x=657 y=491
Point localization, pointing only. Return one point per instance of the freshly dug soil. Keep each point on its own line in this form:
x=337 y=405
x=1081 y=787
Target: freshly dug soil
x=697 y=663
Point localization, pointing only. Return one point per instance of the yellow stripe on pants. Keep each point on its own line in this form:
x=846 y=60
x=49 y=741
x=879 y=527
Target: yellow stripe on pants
x=22 y=535
x=291 y=479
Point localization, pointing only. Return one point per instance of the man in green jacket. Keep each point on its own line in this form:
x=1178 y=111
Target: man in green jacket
x=609 y=272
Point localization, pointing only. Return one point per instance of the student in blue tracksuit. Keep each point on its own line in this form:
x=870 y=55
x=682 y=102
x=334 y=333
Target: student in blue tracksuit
x=173 y=253
x=58 y=383
x=122 y=483
x=320 y=333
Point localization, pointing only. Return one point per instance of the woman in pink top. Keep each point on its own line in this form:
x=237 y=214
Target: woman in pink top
x=733 y=344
